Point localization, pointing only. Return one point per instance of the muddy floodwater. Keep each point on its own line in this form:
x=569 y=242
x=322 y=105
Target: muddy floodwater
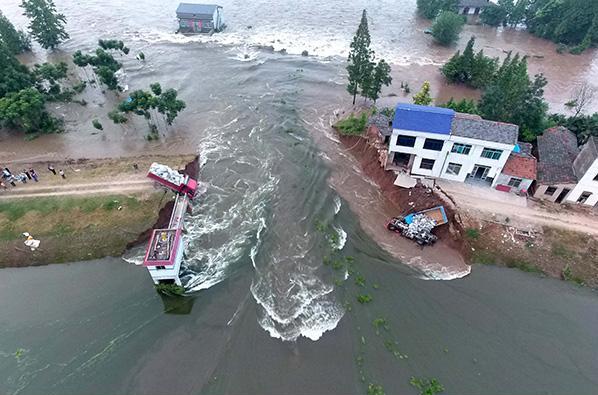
x=265 y=314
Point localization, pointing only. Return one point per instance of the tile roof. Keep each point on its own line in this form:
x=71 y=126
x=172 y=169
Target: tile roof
x=557 y=149
x=586 y=158
x=382 y=122
x=481 y=129
x=522 y=166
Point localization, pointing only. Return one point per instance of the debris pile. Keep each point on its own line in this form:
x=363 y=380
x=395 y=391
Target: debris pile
x=420 y=227
x=167 y=173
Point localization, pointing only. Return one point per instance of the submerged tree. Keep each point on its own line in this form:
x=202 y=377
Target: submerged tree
x=447 y=27
x=431 y=8
x=475 y=70
x=149 y=104
x=513 y=97
x=13 y=75
x=46 y=24
x=361 y=62
x=581 y=97
x=379 y=78
x=15 y=40
x=25 y=110
x=464 y=105
x=423 y=96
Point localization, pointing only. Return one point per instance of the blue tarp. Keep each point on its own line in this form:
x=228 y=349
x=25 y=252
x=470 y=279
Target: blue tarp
x=423 y=118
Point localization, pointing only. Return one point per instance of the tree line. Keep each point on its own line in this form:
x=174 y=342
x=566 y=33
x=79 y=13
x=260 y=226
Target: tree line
x=573 y=24
x=510 y=95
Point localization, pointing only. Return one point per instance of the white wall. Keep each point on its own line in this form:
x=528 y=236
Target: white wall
x=503 y=179
x=541 y=191
x=445 y=156
x=586 y=184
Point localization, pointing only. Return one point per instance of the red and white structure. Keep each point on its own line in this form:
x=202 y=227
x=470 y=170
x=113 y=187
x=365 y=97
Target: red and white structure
x=164 y=253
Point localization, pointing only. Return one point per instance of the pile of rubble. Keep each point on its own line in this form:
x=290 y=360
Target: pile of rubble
x=167 y=173
x=420 y=227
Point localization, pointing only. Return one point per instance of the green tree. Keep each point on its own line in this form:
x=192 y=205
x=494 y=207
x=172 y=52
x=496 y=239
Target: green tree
x=361 y=62
x=169 y=105
x=380 y=77
x=447 y=27
x=423 y=96
x=464 y=105
x=513 y=97
x=494 y=15
x=25 y=110
x=583 y=126
x=46 y=24
x=103 y=64
x=15 y=40
x=474 y=70
x=431 y=8
x=13 y=75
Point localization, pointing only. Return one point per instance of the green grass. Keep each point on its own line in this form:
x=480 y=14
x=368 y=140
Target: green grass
x=352 y=126
x=524 y=266
x=483 y=258
x=16 y=209
x=472 y=233
x=560 y=251
x=568 y=275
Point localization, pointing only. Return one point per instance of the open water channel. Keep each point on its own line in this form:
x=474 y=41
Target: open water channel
x=265 y=315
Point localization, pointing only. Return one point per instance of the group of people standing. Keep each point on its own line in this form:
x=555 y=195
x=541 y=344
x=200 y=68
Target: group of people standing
x=10 y=178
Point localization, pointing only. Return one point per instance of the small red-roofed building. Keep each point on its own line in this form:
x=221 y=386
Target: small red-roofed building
x=519 y=171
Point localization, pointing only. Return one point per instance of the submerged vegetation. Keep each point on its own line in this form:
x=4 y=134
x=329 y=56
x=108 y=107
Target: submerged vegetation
x=427 y=386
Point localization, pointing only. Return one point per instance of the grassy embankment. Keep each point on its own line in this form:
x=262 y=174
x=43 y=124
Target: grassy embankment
x=74 y=228
x=557 y=253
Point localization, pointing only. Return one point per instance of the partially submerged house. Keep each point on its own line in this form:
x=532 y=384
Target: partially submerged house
x=472 y=8
x=557 y=150
x=520 y=170
x=199 y=18
x=434 y=142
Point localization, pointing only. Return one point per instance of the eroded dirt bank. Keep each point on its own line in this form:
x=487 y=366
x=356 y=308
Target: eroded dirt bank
x=370 y=192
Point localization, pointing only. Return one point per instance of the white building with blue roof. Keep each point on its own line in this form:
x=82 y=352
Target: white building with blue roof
x=434 y=142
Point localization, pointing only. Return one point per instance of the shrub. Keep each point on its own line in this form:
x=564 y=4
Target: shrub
x=426 y=387
x=352 y=126
x=96 y=124
x=472 y=233
x=364 y=298
x=447 y=27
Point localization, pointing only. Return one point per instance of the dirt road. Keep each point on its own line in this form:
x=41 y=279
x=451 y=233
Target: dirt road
x=31 y=190
x=517 y=211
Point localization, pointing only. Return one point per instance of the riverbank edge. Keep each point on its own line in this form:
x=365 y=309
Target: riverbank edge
x=17 y=255
x=479 y=242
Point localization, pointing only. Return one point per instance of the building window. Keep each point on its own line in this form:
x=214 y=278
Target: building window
x=406 y=141
x=491 y=153
x=427 y=164
x=515 y=182
x=461 y=148
x=550 y=191
x=453 y=169
x=433 y=144
x=160 y=267
x=596 y=178
x=584 y=196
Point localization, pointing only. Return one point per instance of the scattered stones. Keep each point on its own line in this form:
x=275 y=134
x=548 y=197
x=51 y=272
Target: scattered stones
x=246 y=56
x=249 y=27
x=283 y=51
x=305 y=53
